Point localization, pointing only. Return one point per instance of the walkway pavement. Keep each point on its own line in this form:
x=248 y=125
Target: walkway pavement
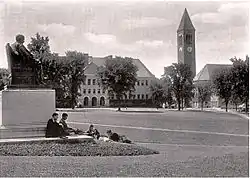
x=217 y=110
x=37 y=139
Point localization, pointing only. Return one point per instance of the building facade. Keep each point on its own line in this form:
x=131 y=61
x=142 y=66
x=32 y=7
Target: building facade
x=93 y=95
x=204 y=76
x=186 y=42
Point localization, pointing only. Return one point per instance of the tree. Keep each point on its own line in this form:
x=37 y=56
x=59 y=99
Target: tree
x=64 y=74
x=168 y=91
x=204 y=92
x=51 y=69
x=118 y=76
x=4 y=78
x=76 y=75
x=240 y=80
x=161 y=92
x=222 y=82
x=158 y=92
x=180 y=76
x=40 y=49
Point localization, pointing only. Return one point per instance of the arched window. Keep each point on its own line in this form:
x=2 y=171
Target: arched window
x=94 y=101
x=102 y=101
x=86 y=101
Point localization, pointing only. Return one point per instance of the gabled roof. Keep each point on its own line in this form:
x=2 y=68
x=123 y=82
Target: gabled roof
x=142 y=69
x=206 y=73
x=186 y=23
x=91 y=68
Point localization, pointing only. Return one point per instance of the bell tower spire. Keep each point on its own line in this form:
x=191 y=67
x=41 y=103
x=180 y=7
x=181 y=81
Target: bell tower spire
x=186 y=42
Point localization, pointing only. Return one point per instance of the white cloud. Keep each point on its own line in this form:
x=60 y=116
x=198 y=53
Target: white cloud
x=101 y=38
x=225 y=13
x=145 y=22
x=232 y=7
x=56 y=29
x=209 y=18
x=151 y=44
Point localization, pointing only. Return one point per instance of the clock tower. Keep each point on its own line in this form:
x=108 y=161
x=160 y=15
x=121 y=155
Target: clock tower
x=186 y=42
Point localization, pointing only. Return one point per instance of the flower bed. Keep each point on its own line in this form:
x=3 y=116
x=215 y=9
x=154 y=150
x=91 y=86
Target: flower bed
x=72 y=148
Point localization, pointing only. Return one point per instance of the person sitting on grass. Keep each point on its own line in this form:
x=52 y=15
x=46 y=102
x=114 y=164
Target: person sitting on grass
x=93 y=132
x=117 y=138
x=67 y=130
x=53 y=128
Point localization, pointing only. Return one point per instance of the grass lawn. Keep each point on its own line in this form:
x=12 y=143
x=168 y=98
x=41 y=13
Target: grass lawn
x=72 y=148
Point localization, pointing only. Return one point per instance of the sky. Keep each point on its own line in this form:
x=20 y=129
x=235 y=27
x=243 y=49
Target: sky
x=145 y=30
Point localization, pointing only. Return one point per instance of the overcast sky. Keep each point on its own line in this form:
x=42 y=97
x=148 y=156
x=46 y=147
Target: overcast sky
x=141 y=29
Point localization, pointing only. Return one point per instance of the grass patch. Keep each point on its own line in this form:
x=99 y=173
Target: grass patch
x=72 y=148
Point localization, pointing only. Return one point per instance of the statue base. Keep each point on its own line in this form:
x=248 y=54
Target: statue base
x=25 y=112
x=33 y=87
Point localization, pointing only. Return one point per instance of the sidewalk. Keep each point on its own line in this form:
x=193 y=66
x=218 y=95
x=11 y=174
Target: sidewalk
x=38 y=139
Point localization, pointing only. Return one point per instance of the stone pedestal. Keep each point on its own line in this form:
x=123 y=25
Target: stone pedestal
x=25 y=112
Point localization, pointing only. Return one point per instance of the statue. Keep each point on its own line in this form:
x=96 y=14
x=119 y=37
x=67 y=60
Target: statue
x=22 y=65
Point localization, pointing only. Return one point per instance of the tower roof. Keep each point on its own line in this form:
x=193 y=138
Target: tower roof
x=186 y=23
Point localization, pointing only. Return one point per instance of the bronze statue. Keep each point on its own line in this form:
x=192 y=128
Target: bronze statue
x=22 y=65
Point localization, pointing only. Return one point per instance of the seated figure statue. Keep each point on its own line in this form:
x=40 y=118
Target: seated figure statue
x=22 y=65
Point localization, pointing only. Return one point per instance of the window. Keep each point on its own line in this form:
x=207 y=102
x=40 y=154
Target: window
x=103 y=91
x=138 y=96
x=94 y=91
x=89 y=91
x=142 y=96
x=146 y=82
x=99 y=91
x=84 y=91
x=133 y=96
x=138 y=82
x=180 y=39
x=146 y=96
x=89 y=82
x=93 y=81
x=142 y=82
x=189 y=39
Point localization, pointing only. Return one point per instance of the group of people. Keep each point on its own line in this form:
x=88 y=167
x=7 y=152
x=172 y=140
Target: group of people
x=62 y=130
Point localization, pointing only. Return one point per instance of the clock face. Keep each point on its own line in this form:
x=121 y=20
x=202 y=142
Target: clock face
x=189 y=49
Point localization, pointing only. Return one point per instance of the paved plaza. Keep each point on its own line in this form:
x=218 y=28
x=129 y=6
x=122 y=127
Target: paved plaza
x=190 y=144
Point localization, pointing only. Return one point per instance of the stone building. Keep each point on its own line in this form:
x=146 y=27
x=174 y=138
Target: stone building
x=94 y=96
x=205 y=75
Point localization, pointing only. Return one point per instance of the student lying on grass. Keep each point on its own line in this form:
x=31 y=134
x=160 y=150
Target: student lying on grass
x=117 y=138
